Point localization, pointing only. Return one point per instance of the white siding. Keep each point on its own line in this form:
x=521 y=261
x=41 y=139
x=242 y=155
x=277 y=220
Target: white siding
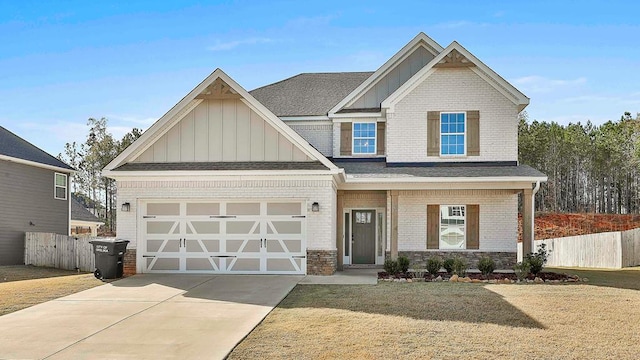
x=498 y=217
x=393 y=79
x=453 y=90
x=320 y=225
x=320 y=136
x=222 y=130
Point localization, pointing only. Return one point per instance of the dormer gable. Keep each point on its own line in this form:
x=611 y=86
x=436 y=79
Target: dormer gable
x=390 y=76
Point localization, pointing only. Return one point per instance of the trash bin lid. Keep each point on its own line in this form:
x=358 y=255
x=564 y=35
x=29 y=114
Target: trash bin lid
x=109 y=241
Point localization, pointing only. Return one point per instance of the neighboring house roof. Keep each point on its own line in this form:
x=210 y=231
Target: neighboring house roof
x=379 y=169
x=244 y=165
x=14 y=147
x=80 y=213
x=308 y=94
x=189 y=102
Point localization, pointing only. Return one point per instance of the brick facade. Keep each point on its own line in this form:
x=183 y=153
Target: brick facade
x=322 y=262
x=130 y=262
x=503 y=260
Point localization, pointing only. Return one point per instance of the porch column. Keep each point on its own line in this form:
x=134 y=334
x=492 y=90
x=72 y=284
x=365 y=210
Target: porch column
x=527 y=222
x=394 y=224
x=340 y=229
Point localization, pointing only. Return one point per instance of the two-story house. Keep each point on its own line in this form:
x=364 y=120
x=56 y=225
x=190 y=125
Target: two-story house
x=34 y=195
x=323 y=170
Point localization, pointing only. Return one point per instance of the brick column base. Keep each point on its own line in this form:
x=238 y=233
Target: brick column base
x=418 y=259
x=322 y=262
x=130 y=262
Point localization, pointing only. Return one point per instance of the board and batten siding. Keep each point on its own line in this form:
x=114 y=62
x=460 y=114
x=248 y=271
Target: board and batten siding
x=27 y=204
x=393 y=80
x=222 y=131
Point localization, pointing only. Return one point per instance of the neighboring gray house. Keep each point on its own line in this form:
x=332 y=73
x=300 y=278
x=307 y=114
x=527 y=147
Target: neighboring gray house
x=323 y=171
x=34 y=195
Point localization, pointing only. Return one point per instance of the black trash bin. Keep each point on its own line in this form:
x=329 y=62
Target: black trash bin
x=109 y=257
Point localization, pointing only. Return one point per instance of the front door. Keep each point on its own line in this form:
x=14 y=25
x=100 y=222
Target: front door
x=364 y=236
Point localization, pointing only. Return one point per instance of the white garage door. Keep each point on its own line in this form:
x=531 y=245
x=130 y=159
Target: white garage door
x=249 y=237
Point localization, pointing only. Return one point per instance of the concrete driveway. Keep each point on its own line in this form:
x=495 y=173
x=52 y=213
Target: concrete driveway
x=145 y=317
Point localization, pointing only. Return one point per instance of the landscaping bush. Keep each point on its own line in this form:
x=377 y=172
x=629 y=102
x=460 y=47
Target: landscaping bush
x=460 y=266
x=434 y=264
x=522 y=270
x=447 y=264
x=403 y=264
x=537 y=260
x=391 y=267
x=486 y=265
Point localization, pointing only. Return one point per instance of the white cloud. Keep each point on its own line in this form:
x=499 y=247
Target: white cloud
x=228 y=45
x=541 y=84
x=144 y=122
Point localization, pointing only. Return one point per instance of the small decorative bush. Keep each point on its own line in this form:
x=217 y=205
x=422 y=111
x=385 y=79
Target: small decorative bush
x=391 y=267
x=460 y=266
x=537 y=260
x=486 y=265
x=522 y=270
x=434 y=264
x=447 y=264
x=403 y=264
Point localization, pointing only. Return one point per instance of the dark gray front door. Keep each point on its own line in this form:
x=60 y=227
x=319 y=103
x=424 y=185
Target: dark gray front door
x=364 y=236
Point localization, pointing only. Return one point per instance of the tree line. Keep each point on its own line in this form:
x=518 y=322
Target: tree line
x=93 y=190
x=591 y=168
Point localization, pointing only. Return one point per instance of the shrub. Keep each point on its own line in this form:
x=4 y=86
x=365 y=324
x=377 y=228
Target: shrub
x=486 y=265
x=447 y=264
x=538 y=259
x=434 y=264
x=391 y=266
x=403 y=264
x=522 y=270
x=460 y=266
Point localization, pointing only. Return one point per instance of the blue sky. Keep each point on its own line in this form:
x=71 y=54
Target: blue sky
x=62 y=62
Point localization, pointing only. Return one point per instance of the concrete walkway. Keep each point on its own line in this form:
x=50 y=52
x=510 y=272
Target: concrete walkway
x=145 y=317
x=346 y=277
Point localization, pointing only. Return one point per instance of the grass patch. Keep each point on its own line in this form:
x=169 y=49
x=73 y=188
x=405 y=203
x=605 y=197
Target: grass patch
x=442 y=320
x=627 y=278
x=25 y=286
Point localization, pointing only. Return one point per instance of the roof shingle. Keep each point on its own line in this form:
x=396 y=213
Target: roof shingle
x=218 y=166
x=308 y=94
x=14 y=146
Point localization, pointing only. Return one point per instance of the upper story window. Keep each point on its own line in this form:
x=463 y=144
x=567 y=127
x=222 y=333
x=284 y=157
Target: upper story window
x=364 y=138
x=452 y=227
x=60 y=186
x=452 y=133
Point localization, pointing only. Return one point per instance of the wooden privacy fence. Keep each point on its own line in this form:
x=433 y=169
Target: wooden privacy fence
x=610 y=250
x=59 y=251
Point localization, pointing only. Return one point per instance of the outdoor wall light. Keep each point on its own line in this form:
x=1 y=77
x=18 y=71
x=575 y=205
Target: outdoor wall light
x=315 y=207
x=126 y=207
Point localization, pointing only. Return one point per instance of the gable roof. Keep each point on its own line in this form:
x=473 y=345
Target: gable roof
x=80 y=213
x=456 y=55
x=308 y=94
x=419 y=40
x=191 y=100
x=13 y=147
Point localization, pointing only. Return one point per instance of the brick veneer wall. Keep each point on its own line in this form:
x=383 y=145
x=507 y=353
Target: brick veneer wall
x=130 y=262
x=418 y=259
x=322 y=262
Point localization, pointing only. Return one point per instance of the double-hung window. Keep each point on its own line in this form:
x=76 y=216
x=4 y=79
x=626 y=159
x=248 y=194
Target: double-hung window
x=364 y=138
x=60 y=187
x=453 y=227
x=453 y=133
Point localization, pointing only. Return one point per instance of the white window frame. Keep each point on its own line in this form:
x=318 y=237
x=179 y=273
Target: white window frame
x=463 y=134
x=56 y=186
x=375 y=138
x=464 y=243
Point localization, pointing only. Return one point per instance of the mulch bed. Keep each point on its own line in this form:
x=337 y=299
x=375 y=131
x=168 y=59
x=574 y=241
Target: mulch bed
x=544 y=276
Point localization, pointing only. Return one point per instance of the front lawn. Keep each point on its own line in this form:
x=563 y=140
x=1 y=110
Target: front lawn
x=445 y=320
x=23 y=286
